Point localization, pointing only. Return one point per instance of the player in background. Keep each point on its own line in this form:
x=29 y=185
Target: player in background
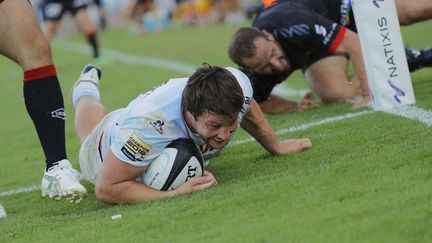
x=207 y=107
x=103 y=23
x=318 y=38
x=22 y=40
x=53 y=11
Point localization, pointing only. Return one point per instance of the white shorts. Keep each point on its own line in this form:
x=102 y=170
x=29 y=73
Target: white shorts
x=90 y=156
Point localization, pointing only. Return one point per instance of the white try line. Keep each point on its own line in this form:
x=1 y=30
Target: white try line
x=305 y=126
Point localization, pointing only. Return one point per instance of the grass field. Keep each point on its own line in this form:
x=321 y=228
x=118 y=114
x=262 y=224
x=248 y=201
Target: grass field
x=367 y=179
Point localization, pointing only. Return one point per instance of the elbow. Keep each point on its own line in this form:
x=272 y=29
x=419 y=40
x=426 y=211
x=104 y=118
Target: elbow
x=104 y=194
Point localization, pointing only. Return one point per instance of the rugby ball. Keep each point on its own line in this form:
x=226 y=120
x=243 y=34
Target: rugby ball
x=178 y=162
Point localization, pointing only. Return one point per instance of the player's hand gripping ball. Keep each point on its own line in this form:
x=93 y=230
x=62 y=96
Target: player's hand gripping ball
x=178 y=162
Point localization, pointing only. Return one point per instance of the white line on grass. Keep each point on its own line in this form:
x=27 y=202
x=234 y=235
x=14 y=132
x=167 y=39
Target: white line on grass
x=308 y=125
x=413 y=113
x=20 y=190
x=127 y=58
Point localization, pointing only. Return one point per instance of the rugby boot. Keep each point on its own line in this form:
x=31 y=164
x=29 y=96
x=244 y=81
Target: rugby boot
x=418 y=59
x=90 y=73
x=61 y=181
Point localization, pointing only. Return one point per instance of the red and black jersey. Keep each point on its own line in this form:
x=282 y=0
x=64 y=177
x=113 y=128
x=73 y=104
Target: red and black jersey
x=303 y=34
x=308 y=30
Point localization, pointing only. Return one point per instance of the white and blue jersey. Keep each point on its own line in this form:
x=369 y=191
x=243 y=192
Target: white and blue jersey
x=138 y=133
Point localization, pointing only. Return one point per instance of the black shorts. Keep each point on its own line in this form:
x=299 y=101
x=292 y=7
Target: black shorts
x=97 y=3
x=54 y=9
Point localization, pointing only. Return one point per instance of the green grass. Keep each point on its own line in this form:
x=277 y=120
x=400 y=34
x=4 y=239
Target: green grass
x=367 y=179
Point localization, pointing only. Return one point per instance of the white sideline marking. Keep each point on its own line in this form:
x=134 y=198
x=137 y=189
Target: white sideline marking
x=20 y=190
x=413 y=113
x=308 y=125
x=127 y=58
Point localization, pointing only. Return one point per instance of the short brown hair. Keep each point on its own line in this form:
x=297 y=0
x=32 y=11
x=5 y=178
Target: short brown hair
x=242 y=44
x=215 y=89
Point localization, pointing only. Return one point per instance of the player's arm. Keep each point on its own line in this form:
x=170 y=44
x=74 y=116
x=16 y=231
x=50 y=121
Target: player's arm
x=116 y=183
x=272 y=104
x=350 y=45
x=278 y=105
x=255 y=124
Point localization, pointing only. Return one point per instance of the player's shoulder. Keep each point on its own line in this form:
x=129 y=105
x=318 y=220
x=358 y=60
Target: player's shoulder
x=240 y=76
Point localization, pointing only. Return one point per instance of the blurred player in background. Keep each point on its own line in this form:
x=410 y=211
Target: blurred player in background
x=53 y=11
x=207 y=107
x=22 y=40
x=103 y=23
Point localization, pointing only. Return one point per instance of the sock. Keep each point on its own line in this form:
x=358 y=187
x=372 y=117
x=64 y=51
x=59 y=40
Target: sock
x=44 y=102
x=91 y=38
x=85 y=88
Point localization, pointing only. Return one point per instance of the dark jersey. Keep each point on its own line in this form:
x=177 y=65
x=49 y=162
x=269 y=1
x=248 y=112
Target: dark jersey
x=339 y=11
x=304 y=35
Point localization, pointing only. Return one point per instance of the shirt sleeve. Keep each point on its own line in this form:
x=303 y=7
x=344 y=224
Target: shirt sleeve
x=137 y=142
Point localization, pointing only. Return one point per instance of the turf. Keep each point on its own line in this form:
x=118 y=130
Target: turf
x=367 y=178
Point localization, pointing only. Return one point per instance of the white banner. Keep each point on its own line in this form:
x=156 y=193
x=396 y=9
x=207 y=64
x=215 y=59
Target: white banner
x=383 y=53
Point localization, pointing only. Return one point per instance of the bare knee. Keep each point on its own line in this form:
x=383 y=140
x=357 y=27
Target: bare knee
x=332 y=96
x=38 y=54
x=338 y=93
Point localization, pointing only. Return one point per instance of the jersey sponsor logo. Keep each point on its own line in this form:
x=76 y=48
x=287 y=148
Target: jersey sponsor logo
x=328 y=36
x=157 y=125
x=59 y=113
x=320 y=30
x=299 y=30
x=135 y=148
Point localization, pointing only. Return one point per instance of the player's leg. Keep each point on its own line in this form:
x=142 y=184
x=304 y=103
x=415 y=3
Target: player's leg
x=51 y=28
x=52 y=12
x=89 y=29
x=328 y=78
x=412 y=11
x=22 y=40
x=102 y=14
x=86 y=100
